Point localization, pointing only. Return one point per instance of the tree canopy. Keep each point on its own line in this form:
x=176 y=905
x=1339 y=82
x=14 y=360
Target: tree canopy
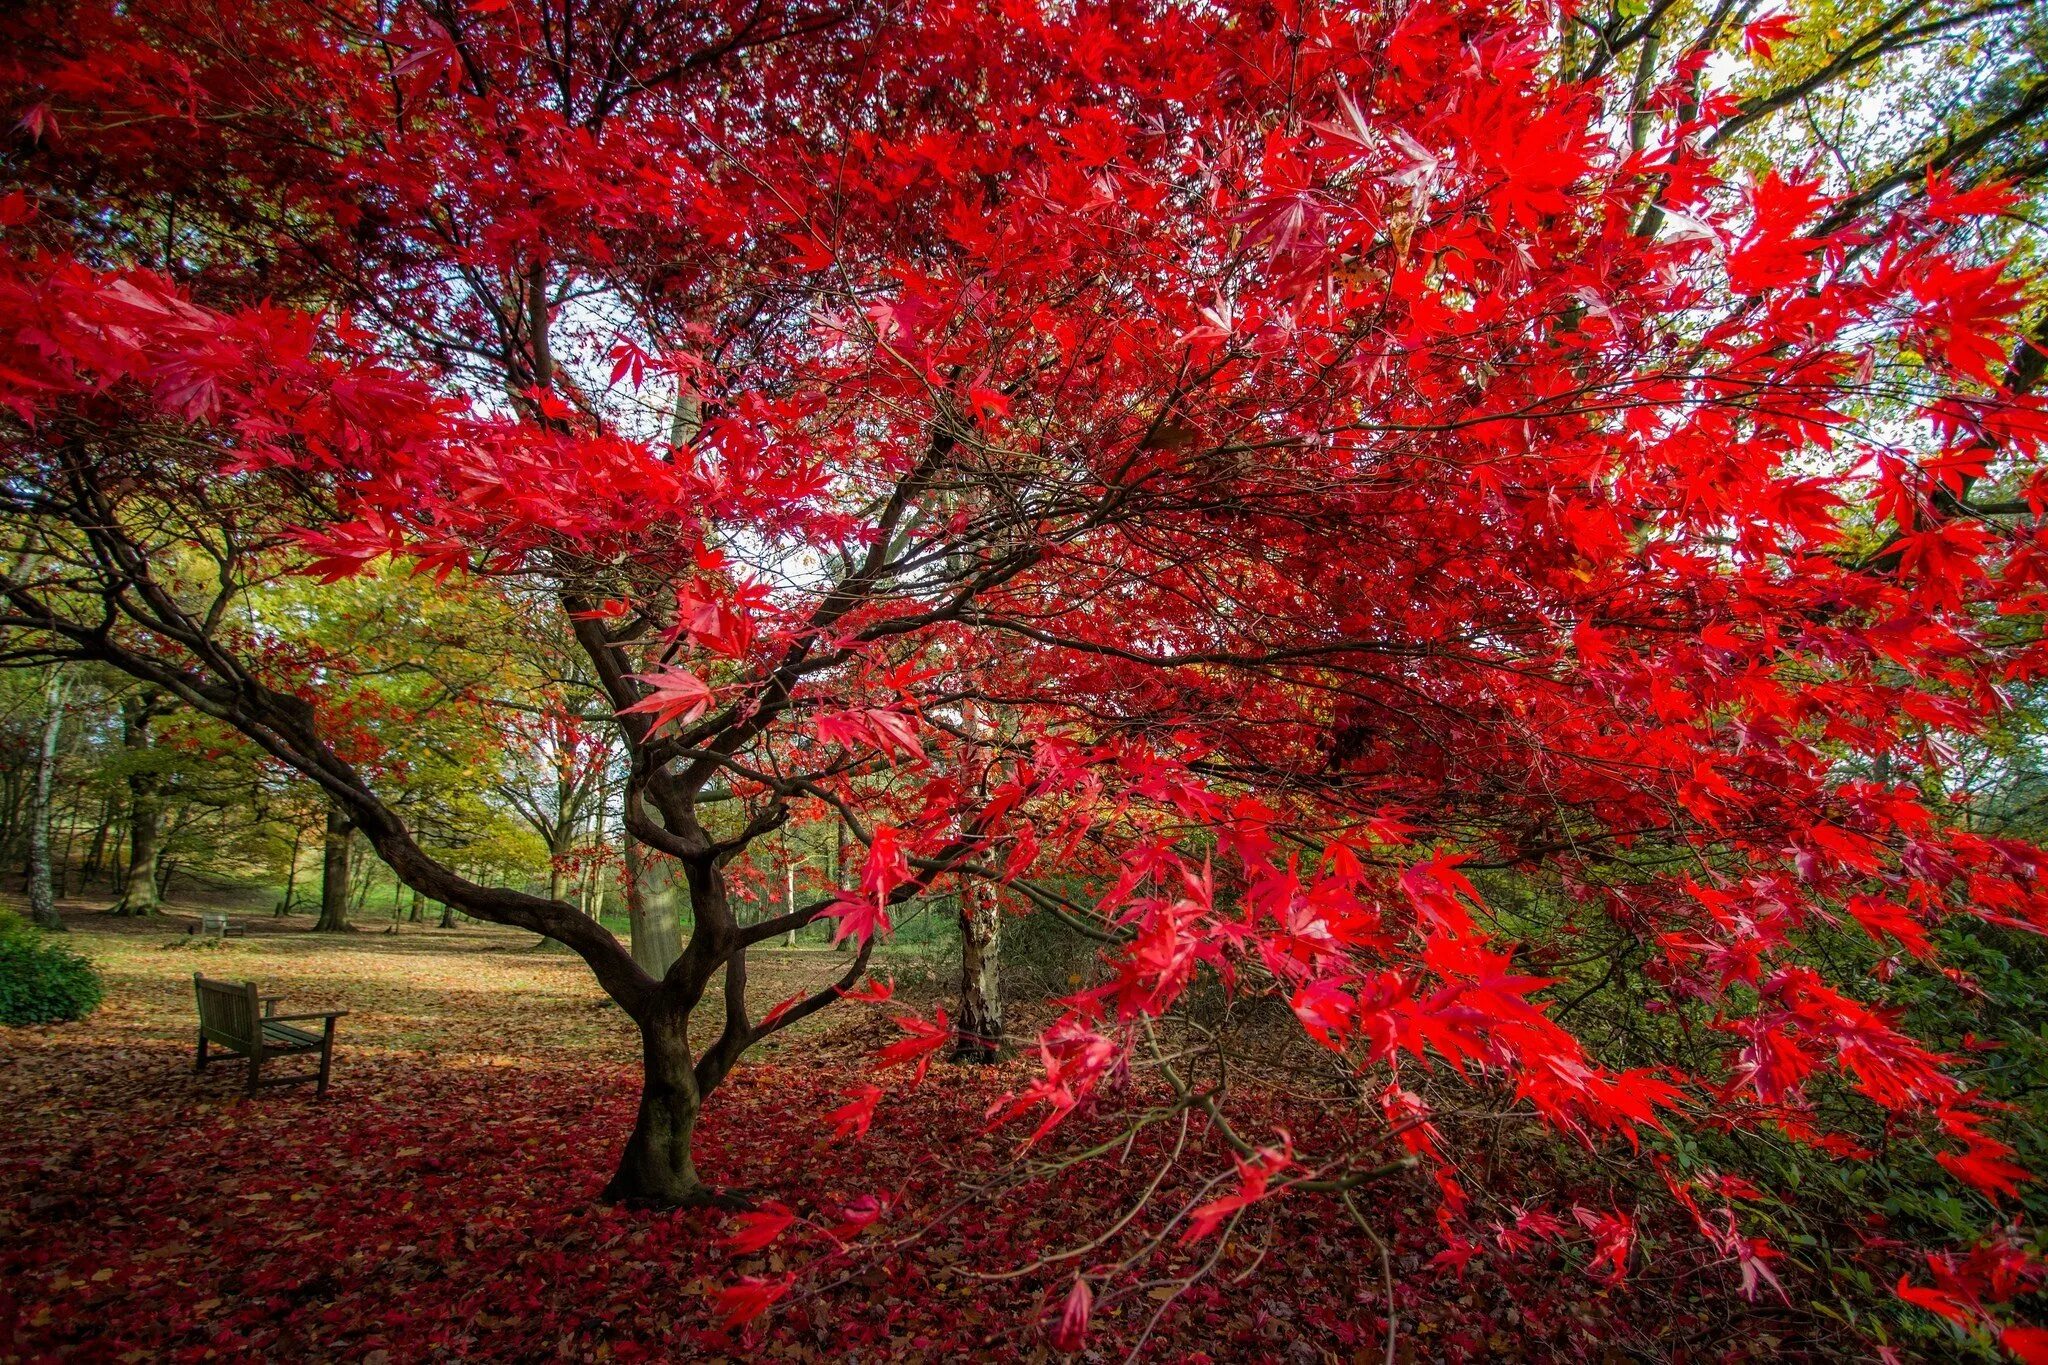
x=1396 y=512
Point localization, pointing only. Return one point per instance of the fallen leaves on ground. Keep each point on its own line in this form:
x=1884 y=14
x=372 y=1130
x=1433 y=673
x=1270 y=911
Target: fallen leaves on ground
x=443 y=1204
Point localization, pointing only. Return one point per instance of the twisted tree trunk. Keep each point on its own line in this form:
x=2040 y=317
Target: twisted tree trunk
x=657 y=1167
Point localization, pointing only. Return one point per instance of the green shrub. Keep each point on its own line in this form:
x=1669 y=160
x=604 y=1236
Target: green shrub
x=42 y=981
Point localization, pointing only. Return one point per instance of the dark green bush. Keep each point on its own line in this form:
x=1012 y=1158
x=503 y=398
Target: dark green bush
x=42 y=981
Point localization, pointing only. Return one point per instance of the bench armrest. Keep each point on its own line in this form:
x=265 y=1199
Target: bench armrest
x=294 y=1018
x=270 y=1005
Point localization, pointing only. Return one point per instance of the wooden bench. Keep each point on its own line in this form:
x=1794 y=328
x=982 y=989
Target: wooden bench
x=216 y=923
x=233 y=1015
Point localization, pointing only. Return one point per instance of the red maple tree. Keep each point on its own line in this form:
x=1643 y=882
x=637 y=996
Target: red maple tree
x=1226 y=475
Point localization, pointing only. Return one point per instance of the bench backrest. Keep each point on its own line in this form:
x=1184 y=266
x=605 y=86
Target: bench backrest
x=228 y=1011
x=213 y=922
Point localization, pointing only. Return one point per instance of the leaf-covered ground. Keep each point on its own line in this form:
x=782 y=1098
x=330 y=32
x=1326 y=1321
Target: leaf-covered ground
x=440 y=1203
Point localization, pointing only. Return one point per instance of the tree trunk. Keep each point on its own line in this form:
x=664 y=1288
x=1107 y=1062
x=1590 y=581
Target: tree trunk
x=656 y=1168
x=846 y=944
x=291 y=873
x=447 y=915
x=96 y=853
x=981 y=992
x=42 y=901
x=413 y=915
x=334 y=869
x=654 y=894
x=61 y=873
x=139 y=893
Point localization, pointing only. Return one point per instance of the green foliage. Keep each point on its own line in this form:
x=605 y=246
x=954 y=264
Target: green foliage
x=1043 y=958
x=42 y=981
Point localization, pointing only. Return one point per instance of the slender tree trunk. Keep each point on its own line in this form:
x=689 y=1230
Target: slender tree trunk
x=447 y=916
x=557 y=846
x=140 y=893
x=839 y=871
x=61 y=873
x=789 y=900
x=96 y=853
x=981 y=992
x=12 y=787
x=291 y=873
x=413 y=915
x=42 y=901
x=334 y=870
x=593 y=875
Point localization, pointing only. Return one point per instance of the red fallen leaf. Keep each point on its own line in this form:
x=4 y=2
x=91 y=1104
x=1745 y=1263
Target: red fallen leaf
x=781 y=1008
x=1070 y=1333
x=852 y=1119
x=748 y=1298
x=926 y=1038
x=756 y=1230
x=859 y=1214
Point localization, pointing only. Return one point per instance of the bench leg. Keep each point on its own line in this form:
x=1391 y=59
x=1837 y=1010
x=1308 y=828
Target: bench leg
x=255 y=1068
x=200 y=1063
x=326 y=1058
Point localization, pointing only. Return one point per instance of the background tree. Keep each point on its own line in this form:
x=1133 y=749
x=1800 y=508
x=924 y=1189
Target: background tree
x=42 y=899
x=140 y=708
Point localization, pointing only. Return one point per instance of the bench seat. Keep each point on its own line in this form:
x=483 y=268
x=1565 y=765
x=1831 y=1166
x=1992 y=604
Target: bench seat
x=285 y=1038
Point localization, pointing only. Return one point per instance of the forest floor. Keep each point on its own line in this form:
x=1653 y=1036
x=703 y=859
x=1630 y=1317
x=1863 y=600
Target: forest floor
x=441 y=1202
